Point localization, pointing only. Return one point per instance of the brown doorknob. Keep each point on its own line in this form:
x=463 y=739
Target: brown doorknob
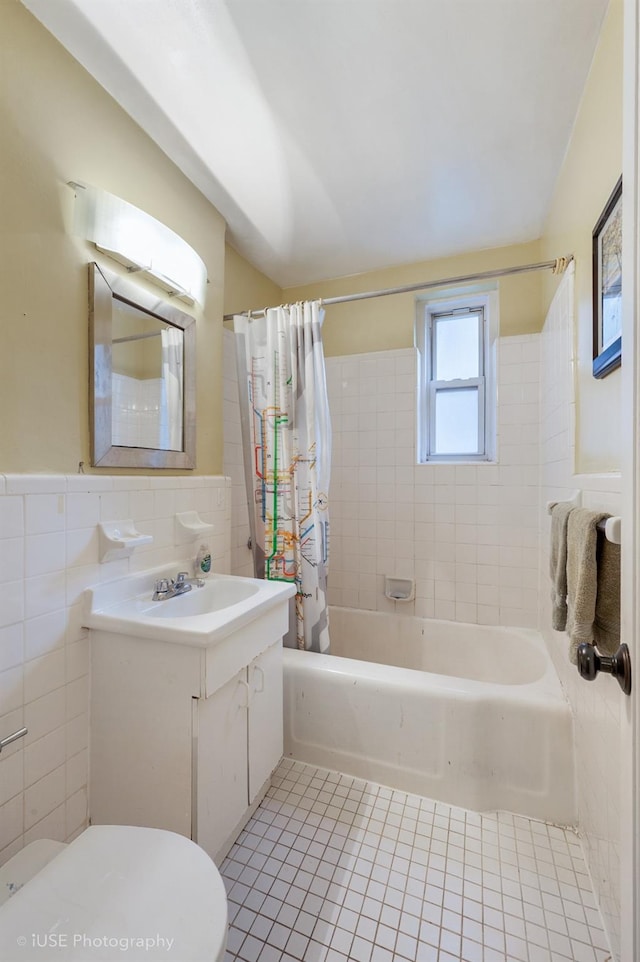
x=590 y=662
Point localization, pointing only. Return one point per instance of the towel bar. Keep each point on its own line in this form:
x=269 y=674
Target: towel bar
x=612 y=527
x=13 y=738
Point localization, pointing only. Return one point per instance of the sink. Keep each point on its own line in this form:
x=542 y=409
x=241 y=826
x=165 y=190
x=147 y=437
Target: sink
x=200 y=617
x=216 y=594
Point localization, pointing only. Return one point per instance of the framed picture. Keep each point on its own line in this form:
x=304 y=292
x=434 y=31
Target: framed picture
x=607 y=286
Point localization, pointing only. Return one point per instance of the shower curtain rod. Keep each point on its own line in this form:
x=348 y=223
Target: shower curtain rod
x=558 y=266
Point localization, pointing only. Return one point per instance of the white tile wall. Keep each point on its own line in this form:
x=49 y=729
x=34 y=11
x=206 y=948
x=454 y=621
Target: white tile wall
x=48 y=555
x=136 y=407
x=467 y=533
x=241 y=557
x=597 y=706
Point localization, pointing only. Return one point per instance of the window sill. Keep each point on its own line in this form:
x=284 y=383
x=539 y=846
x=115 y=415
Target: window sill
x=455 y=463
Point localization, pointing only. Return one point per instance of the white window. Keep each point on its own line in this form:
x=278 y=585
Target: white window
x=456 y=392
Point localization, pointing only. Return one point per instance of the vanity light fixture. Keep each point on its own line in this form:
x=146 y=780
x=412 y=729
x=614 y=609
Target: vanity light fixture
x=140 y=242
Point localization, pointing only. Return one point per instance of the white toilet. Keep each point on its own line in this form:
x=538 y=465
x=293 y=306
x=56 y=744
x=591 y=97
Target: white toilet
x=116 y=892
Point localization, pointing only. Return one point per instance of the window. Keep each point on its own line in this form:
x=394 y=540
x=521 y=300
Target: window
x=456 y=393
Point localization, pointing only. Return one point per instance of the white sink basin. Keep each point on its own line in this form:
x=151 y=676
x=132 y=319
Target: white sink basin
x=216 y=594
x=200 y=617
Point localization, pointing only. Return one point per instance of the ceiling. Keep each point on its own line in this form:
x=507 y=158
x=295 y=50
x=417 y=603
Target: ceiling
x=340 y=136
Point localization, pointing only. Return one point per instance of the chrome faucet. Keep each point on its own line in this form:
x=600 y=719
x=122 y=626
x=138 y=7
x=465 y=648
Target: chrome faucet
x=168 y=588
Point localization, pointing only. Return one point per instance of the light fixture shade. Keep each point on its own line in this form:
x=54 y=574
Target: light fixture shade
x=140 y=242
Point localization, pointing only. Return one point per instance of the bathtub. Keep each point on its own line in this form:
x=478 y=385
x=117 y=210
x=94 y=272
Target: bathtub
x=465 y=714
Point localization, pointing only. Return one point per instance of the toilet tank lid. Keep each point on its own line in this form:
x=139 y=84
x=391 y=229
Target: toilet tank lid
x=154 y=889
x=25 y=864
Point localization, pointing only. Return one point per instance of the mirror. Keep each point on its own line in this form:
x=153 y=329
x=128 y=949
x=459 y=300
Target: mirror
x=142 y=355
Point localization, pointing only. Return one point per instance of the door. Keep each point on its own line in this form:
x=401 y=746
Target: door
x=630 y=734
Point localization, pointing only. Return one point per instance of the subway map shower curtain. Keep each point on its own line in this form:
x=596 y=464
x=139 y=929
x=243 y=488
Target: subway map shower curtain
x=287 y=449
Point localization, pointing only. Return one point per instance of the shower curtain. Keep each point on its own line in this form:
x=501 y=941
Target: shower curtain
x=287 y=447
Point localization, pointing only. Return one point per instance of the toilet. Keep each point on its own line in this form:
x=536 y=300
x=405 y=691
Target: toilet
x=116 y=892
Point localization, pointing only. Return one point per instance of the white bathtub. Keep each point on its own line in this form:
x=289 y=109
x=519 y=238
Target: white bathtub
x=466 y=714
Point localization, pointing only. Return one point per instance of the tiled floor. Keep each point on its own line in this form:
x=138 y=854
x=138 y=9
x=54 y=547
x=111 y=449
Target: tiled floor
x=332 y=868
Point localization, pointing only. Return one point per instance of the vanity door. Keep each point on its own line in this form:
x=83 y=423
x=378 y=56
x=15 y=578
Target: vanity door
x=220 y=766
x=265 y=717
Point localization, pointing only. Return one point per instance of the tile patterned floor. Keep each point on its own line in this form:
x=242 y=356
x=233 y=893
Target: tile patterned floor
x=332 y=868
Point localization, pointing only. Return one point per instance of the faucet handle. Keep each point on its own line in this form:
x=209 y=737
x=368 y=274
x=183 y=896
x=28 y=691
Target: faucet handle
x=184 y=580
x=162 y=587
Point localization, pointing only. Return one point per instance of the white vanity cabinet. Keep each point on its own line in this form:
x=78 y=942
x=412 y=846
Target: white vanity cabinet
x=239 y=743
x=185 y=738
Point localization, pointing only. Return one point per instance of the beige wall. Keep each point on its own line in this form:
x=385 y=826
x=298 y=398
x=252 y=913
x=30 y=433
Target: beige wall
x=58 y=125
x=387 y=323
x=591 y=169
x=245 y=288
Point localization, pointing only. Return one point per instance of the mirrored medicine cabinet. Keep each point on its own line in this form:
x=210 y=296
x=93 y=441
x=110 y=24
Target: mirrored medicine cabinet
x=142 y=377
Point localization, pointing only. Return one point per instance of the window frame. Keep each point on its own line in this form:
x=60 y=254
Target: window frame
x=428 y=311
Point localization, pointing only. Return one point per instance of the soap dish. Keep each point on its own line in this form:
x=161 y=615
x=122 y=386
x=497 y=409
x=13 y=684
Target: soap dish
x=117 y=539
x=399 y=589
x=189 y=525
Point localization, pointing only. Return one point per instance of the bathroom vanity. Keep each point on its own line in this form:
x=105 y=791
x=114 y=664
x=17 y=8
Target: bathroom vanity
x=186 y=704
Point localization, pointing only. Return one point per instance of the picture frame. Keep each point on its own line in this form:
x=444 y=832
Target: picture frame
x=607 y=286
